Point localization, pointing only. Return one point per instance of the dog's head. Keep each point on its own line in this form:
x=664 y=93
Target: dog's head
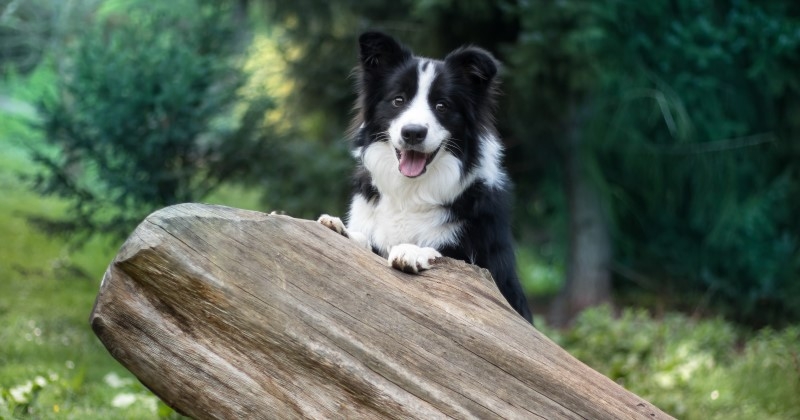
x=424 y=108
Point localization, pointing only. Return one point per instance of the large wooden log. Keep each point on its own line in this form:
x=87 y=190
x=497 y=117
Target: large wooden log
x=227 y=313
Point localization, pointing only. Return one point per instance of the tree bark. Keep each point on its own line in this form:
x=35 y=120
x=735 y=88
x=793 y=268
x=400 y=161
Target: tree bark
x=588 y=276
x=228 y=313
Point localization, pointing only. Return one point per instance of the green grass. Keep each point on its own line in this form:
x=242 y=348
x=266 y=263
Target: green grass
x=46 y=294
x=51 y=364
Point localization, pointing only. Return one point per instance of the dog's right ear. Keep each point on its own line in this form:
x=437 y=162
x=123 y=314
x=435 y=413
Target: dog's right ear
x=380 y=52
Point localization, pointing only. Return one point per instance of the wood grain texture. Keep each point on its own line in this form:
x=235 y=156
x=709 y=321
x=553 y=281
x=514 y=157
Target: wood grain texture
x=227 y=313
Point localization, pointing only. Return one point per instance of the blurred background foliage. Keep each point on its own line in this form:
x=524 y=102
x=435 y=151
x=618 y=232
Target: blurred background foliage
x=142 y=117
x=653 y=146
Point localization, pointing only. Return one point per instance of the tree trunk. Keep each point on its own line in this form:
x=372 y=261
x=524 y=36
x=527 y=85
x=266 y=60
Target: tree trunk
x=227 y=313
x=588 y=276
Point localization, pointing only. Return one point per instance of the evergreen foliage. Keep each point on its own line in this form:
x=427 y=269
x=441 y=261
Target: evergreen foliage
x=690 y=135
x=143 y=115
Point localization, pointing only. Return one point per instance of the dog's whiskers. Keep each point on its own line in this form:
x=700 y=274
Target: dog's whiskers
x=452 y=147
x=383 y=135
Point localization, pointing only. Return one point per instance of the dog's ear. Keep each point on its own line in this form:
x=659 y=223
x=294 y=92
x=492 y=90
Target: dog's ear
x=380 y=52
x=475 y=65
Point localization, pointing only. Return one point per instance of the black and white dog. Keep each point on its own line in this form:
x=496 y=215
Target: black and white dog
x=429 y=180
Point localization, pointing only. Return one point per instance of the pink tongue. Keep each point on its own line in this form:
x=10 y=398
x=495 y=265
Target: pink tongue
x=412 y=163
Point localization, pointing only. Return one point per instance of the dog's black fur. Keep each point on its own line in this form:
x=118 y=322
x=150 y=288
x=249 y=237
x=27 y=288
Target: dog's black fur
x=456 y=200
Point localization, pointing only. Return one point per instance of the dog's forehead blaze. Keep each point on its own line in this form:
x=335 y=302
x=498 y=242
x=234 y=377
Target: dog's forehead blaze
x=418 y=109
x=426 y=74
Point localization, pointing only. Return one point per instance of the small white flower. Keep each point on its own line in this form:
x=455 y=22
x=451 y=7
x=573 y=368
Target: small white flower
x=664 y=380
x=20 y=393
x=150 y=402
x=40 y=381
x=115 y=381
x=123 y=400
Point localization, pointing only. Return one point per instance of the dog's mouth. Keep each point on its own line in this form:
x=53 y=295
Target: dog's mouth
x=414 y=163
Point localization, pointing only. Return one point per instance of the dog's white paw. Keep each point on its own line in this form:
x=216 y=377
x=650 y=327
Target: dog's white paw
x=411 y=258
x=333 y=223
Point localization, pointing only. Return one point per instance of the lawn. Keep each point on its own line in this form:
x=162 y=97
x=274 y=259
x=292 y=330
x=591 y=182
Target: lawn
x=51 y=365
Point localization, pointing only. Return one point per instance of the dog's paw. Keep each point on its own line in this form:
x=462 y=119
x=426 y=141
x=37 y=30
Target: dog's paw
x=411 y=258
x=333 y=223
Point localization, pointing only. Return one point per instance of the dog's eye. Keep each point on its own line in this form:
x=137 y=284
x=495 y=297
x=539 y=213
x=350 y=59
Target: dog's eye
x=441 y=107
x=398 y=101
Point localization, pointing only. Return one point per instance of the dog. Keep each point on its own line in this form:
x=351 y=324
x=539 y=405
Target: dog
x=429 y=180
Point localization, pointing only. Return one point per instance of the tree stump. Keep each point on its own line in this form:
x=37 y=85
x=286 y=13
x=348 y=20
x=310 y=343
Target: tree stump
x=227 y=313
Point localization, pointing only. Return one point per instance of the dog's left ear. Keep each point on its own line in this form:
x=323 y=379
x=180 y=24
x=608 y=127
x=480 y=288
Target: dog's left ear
x=476 y=65
x=380 y=52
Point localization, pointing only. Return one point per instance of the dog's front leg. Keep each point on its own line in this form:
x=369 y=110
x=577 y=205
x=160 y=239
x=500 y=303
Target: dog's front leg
x=335 y=224
x=409 y=258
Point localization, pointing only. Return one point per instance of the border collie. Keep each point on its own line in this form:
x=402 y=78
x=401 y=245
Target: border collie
x=429 y=181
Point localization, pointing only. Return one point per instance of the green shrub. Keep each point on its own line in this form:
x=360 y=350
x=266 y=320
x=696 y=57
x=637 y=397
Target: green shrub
x=144 y=114
x=769 y=374
x=691 y=368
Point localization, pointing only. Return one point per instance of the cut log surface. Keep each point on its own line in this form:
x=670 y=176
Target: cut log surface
x=227 y=313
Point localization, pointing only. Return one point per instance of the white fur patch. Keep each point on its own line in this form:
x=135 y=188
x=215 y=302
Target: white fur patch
x=410 y=210
x=411 y=258
x=440 y=184
x=419 y=112
x=489 y=168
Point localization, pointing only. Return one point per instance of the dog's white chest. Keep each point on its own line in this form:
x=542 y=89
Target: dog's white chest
x=391 y=223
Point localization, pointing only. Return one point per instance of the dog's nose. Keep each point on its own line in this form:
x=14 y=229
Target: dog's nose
x=413 y=133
